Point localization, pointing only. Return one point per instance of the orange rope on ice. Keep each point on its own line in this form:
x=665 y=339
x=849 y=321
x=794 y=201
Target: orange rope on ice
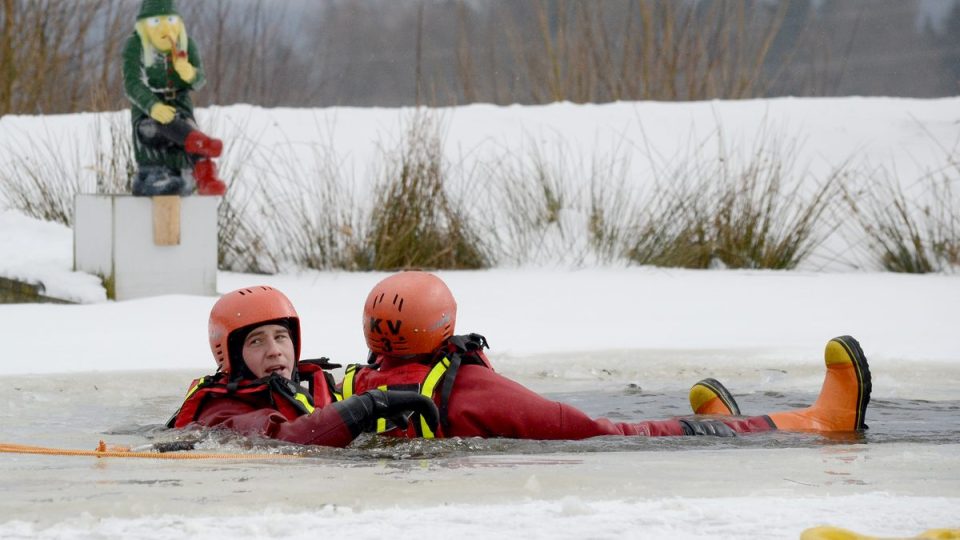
x=103 y=451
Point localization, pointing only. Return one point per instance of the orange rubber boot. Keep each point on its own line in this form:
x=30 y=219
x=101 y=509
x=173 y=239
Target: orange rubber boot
x=709 y=396
x=844 y=397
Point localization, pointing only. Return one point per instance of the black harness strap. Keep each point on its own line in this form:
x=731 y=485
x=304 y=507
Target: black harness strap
x=448 y=379
x=463 y=347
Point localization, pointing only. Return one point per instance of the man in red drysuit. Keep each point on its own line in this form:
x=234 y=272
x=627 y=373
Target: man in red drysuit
x=409 y=320
x=262 y=387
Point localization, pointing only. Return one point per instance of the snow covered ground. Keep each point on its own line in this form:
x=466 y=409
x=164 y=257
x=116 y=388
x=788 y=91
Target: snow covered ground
x=556 y=328
x=618 y=152
x=553 y=329
x=636 y=323
x=40 y=252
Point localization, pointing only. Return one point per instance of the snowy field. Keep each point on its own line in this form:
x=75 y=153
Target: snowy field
x=71 y=375
x=620 y=154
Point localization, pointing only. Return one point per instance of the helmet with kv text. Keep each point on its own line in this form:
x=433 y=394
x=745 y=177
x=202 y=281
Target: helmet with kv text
x=239 y=312
x=408 y=313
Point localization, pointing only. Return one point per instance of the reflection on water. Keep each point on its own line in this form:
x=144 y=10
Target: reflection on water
x=78 y=411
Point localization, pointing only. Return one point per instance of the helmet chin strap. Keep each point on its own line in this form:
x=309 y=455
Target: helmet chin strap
x=294 y=373
x=239 y=370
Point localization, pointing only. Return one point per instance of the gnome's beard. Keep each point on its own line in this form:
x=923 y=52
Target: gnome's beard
x=150 y=51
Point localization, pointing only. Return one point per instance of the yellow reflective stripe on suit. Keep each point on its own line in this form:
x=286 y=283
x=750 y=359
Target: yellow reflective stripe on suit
x=427 y=388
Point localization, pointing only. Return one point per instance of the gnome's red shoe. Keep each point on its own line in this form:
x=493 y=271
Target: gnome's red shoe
x=205 y=173
x=202 y=145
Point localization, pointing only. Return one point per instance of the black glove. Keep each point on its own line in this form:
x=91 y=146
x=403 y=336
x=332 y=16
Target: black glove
x=360 y=412
x=716 y=428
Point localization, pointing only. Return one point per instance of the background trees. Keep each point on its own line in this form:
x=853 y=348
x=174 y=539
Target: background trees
x=63 y=55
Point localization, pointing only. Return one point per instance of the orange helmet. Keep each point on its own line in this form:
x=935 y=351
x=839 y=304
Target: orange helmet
x=408 y=313
x=242 y=310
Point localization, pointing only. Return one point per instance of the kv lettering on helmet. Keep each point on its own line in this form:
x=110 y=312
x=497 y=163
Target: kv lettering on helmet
x=386 y=341
x=392 y=326
x=409 y=313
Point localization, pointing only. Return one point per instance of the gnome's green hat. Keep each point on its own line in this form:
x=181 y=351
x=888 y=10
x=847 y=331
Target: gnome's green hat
x=153 y=8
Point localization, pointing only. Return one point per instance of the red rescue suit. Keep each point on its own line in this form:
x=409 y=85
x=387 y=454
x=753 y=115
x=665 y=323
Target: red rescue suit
x=272 y=407
x=475 y=401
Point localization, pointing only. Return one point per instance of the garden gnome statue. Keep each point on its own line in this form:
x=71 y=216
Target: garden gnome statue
x=160 y=68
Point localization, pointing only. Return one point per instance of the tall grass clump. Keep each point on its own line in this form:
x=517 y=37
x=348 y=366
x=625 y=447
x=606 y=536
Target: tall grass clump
x=558 y=207
x=611 y=206
x=242 y=245
x=44 y=174
x=720 y=214
x=533 y=195
x=114 y=161
x=762 y=222
x=245 y=217
x=320 y=225
x=414 y=222
x=41 y=177
x=917 y=233
x=671 y=228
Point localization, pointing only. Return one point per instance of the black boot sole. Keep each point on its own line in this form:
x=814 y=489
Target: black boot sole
x=725 y=396
x=864 y=381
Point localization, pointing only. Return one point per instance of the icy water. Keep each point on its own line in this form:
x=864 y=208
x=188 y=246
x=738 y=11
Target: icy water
x=912 y=449
x=130 y=409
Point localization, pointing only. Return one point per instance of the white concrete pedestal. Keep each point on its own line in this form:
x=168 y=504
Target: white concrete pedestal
x=128 y=242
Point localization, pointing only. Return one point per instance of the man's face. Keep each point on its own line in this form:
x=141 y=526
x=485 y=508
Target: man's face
x=269 y=349
x=163 y=31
